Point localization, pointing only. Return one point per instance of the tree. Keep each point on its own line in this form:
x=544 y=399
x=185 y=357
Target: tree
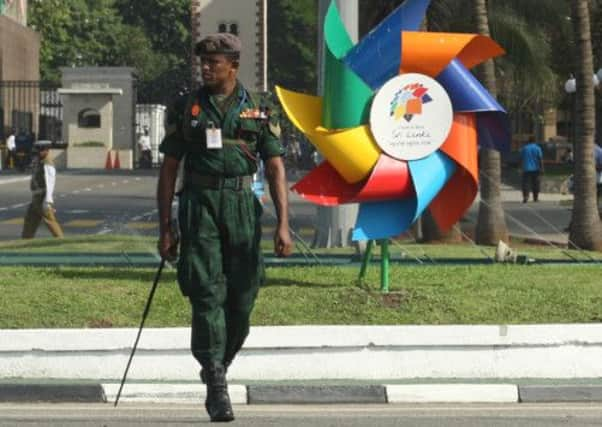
x=166 y=26
x=586 y=229
x=292 y=44
x=79 y=33
x=491 y=225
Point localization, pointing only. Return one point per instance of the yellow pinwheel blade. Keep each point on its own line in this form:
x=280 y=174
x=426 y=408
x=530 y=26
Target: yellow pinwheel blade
x=304 y=111
x=352 y=152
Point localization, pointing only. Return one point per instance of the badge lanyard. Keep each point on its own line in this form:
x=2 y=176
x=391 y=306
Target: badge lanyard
x=214 y=137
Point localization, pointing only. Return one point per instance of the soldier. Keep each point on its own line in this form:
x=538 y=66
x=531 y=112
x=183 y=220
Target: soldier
x=43 y=179
x=217 y=133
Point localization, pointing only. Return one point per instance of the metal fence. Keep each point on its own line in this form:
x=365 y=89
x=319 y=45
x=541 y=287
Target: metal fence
x=152 y=99
x=32 y=110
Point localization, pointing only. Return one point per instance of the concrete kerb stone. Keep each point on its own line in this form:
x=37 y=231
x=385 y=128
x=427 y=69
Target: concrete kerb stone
x=194 y=393
x=560 y=393
x=55 y=393
x=314 y=394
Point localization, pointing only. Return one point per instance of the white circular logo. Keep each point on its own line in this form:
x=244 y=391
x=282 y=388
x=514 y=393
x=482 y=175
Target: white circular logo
x=411 y=116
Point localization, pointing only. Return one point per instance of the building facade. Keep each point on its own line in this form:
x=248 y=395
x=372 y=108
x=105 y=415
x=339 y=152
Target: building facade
x=19 y=61
x=248 y=20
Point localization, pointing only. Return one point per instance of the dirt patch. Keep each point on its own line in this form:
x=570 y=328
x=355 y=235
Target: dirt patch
x=100 y=323
x=395 y=299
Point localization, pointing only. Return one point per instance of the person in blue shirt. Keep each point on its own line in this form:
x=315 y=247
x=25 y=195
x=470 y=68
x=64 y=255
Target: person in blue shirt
x=532 y=165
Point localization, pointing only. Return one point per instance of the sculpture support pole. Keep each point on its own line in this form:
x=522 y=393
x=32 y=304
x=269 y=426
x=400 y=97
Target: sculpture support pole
x=366 y=260
x=384 y=266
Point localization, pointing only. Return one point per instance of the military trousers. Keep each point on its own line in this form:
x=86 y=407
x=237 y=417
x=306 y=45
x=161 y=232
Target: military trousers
x=220 y=268
x=36 y=214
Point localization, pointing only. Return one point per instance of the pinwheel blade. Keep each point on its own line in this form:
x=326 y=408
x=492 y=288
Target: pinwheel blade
x=457 y=195
x=429 y=176
x=466 y=92
x=382 y=220
x=346 y=96
x=376 y=58
x=389 y=180
x=351 y=152
x=494 y=131
x=469 y=95
x=325 y=187
x=430 y=53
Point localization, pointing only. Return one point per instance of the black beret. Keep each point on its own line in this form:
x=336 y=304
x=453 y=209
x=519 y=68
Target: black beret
x=224 y=43
x=42 y=145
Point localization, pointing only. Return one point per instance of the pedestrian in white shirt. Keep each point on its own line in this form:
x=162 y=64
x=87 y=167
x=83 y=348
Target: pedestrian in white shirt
x=146 y=155
x=11 y=148
x=43 y=180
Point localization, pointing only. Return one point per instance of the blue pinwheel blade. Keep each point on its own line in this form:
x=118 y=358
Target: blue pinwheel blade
x=469 y=95
x=381 y=220
x=376 y=58
x=430 y=175
x=466 y=92
x=493 y=130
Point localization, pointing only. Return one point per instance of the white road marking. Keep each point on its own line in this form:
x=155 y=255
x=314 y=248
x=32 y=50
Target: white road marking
x=13 y=180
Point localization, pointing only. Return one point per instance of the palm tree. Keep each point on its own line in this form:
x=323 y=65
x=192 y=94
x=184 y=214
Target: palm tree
x=491 y=225
x=586 y=229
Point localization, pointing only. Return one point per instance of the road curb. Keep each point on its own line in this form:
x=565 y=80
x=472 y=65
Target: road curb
x=193 y=393
x=55 y=393
x=560 y=393
x=323 y=394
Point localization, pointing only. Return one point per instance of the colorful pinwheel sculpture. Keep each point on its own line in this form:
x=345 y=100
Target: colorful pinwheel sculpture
x=399 y=122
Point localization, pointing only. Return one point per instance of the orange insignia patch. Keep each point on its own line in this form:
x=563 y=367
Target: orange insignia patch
x=196 y=110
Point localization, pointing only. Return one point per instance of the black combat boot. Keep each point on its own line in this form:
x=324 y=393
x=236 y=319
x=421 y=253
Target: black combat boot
x=217 y=403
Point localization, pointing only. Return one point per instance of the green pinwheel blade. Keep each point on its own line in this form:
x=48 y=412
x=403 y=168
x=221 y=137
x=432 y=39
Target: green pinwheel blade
x=346 y=96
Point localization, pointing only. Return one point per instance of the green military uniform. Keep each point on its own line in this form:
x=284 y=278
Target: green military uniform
x=36 y=212
x=220 y=267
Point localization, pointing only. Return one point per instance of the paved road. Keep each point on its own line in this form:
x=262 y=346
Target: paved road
x=516 y=415
x=125 y=203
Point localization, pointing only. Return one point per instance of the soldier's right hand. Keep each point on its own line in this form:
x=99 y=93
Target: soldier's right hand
x=168 y=247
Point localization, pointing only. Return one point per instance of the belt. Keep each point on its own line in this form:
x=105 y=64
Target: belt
x=195 y=180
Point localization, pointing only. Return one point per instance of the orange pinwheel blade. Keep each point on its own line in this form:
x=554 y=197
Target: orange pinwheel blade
x=430 y=53
x=457 y=196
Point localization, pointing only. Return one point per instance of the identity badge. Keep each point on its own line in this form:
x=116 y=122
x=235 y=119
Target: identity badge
x=214 y=138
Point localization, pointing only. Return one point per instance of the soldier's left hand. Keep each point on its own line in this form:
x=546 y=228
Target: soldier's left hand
x=283 y=244
x=48 y=207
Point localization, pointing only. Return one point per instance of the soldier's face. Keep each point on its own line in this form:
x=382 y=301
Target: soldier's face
x=217 y=69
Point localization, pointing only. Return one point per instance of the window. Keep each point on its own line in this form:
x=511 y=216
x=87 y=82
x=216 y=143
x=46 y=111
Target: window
x=228 y=27
x=88 y=118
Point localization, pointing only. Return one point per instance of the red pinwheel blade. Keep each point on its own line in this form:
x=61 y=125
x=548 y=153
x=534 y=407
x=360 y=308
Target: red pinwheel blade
x=324 y=186
x=390 y=179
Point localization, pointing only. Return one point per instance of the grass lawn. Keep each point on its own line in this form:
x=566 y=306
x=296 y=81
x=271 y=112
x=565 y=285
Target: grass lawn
x=428 y=293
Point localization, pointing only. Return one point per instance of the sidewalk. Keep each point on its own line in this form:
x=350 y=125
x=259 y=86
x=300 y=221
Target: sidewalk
x=314 y=364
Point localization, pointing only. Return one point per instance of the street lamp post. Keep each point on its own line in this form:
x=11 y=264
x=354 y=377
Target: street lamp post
x=570 y=87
